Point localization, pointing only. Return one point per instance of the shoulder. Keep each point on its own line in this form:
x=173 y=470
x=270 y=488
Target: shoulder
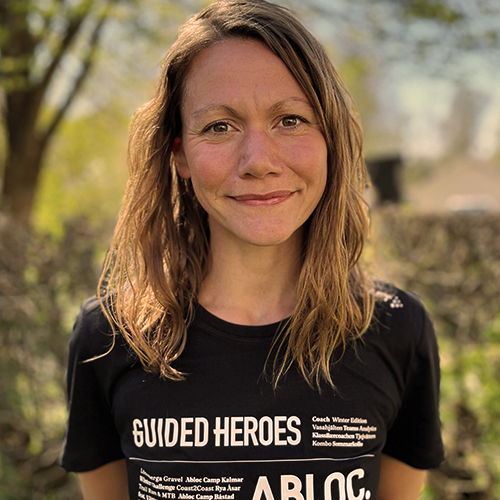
x=397 y=307
x=401 y=318
x=91 y=312
x=92 y=334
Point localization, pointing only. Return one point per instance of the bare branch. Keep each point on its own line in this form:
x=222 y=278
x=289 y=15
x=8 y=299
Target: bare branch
x=87 y=62
x=72 y=31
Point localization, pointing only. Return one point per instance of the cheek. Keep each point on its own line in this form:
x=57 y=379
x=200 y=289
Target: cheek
x=315 y=173
x=208 y=176
x=211 y=169
x=311 y=161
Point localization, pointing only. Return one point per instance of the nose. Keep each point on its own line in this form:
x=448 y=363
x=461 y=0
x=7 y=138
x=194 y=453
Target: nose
x=259 y=155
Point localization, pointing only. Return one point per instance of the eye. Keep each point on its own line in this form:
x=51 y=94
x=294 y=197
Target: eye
x=292 y=121
x=218 y=127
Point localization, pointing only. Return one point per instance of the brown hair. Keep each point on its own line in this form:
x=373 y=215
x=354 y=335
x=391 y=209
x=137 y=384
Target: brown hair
x=160 y=251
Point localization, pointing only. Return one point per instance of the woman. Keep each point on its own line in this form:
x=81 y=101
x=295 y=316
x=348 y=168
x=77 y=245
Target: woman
x=238 y=350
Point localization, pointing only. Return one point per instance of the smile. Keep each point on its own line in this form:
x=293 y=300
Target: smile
x=267 y=199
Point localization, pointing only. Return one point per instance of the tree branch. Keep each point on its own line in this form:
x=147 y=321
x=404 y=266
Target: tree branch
x=71 y=32
x=87 y=62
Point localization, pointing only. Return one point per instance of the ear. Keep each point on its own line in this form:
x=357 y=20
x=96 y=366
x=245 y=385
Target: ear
x=180 y=160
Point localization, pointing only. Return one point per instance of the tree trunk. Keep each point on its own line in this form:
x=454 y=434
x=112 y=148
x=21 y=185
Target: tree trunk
x=21 y=176
x=30 y=121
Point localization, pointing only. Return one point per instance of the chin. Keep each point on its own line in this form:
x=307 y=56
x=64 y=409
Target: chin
x=272 y=238
x=257 y=233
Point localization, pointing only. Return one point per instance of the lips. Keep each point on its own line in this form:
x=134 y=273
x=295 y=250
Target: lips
x=255 y=199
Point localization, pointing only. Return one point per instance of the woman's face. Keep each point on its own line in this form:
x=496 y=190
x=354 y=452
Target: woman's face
x=251 y=144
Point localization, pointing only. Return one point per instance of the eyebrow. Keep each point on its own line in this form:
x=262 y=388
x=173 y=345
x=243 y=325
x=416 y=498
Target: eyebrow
x=231 y=111
x=214 y=107
x=277 y=106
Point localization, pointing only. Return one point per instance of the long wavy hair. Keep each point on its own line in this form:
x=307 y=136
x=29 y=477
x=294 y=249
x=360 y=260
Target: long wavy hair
x=161 y=248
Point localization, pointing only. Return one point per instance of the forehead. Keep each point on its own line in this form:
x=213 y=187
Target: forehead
x=238 y=67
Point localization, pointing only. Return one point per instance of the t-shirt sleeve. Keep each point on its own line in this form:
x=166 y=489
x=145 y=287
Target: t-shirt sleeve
x=415 y=436
x=91 y=439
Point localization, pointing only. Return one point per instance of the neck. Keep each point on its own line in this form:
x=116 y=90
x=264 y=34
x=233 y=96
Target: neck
x=252 y=285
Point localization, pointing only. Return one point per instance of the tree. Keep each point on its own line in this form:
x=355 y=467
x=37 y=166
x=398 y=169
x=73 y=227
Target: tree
x=53 y=43
x=39 y=41
x=442 y=31
x=434 y=41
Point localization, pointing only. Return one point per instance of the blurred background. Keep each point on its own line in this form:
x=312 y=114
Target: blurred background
x=424 y=74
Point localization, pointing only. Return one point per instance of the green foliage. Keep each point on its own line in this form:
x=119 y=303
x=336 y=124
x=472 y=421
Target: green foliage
x=86 y=172
x=453 y=263
x=449 y=260
x=436 y=10
x=44 y=27
x=40 y=292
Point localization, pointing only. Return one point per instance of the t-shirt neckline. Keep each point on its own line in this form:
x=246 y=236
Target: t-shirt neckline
x=235 y=330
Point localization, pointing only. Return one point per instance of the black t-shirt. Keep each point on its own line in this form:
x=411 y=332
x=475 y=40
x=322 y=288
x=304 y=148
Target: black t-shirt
x=226 y=433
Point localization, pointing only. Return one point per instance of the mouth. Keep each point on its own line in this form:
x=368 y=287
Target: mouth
x=266 y=199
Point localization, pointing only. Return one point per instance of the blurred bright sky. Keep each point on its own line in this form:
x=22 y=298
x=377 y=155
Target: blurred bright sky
x=418 y=92
x=427 y=103
x=415 y=94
